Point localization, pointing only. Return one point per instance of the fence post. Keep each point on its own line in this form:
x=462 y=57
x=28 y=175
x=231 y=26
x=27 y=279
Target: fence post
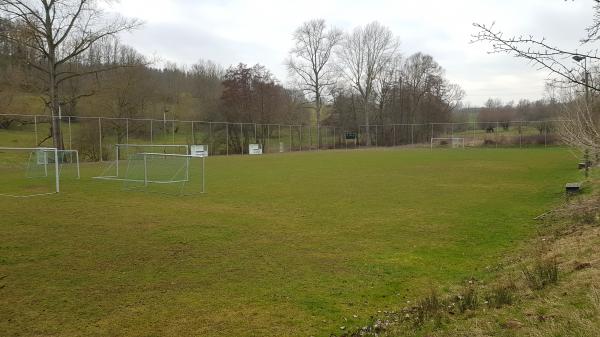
x=127 y=130
x=173 y=130
x=497 y=132
x=431 y=132
x=100 y=136
x=242 y=137
x=291 y=140
x=70 y=135
x=151 y=131
x=309 y=138
x=210 y=139
x=35 y=129
x=227 y=138
x=520 y=135
x=300 y=137
x=193 y=134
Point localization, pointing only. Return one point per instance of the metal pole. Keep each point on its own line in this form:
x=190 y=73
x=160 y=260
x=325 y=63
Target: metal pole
x=145 y=171
x=291 y=142
x=279 y=134
x=210 y=137
x=57 y=175
x=70 y=135
x=520 y=135
x=300 y=138
x=242 y=137
x=268 y=138
x=334 y=138
x=77 y=158
x=100 y=135
x=412 y=134
x=127 y=130
x=497 y=132
x=203 y=176
x=151 y=132
x=227 y=138
x=193 y=134
x=173 y=130
x=432 y=132
x=309 y=138
x=35 y=129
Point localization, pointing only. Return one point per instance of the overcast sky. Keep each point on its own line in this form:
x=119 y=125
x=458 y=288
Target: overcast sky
x=259 y=31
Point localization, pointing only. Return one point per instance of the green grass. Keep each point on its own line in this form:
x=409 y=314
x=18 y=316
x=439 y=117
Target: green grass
x=282 y=245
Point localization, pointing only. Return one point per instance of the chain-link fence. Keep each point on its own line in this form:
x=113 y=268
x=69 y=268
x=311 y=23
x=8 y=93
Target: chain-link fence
x=95 y=137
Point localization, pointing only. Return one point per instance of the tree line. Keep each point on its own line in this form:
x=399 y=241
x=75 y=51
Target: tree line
x=65 y=58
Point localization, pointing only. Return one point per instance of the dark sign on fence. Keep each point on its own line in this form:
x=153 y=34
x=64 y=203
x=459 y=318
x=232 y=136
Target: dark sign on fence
x=350 y=135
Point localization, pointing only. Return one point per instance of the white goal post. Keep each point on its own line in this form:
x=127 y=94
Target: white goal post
x=123 y=152
x=454 y=142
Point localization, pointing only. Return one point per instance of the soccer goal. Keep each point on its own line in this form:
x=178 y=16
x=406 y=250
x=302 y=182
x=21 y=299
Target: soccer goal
x=36 y=171
x=166 y=173
x=116 y=169
x=452 y=142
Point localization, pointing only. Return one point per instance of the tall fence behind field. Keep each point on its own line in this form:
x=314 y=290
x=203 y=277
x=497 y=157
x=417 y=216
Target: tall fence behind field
x=95 y=137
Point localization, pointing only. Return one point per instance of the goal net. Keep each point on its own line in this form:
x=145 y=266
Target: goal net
x=448 y=142
x=174 y=174
x=123 y=153
x=28 y=172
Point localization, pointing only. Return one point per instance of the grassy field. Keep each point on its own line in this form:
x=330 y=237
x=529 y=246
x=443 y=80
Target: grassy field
x=281 y=245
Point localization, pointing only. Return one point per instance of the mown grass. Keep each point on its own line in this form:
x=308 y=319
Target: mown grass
x=282 y=245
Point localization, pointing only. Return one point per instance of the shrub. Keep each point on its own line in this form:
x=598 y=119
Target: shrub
x=467 y=300
x=501 y=294
x=542 y=274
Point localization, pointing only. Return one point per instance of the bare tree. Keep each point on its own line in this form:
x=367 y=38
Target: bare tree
x=58 y=33
x=309 y=62
x=582 y=123
x=365 y=54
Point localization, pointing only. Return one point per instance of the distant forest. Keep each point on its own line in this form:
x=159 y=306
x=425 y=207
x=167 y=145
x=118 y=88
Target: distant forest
x=124 y=83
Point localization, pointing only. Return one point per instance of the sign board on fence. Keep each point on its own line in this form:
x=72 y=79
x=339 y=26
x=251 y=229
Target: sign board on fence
x=255 y=149
x=199 y=150
x=350 y=135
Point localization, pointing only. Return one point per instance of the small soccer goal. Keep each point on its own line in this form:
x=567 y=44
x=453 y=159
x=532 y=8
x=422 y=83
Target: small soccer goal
x=449 y=142
x=29 y=172
x=116 y=169
x=165 y=173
